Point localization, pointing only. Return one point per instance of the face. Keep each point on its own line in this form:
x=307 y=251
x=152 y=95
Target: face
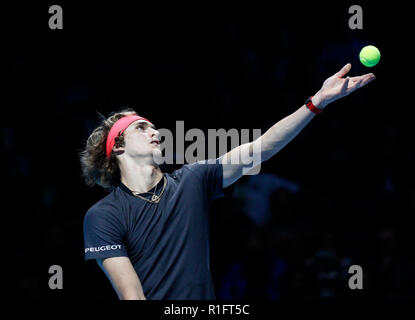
x=141 y=139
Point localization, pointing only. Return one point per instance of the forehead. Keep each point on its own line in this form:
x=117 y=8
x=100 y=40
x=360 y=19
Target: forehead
x=134 y=124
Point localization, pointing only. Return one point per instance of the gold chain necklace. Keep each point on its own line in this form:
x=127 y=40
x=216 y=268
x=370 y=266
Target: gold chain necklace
x=154 y=198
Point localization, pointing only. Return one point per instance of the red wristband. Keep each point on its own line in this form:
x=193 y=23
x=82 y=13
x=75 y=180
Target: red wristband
x=312 y=107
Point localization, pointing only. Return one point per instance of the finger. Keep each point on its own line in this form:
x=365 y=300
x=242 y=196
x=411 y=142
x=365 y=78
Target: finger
x=365 y=79
x=344 y=70
x=365 y=76
x=355 y=86
x=345 y=86
x=368 y=79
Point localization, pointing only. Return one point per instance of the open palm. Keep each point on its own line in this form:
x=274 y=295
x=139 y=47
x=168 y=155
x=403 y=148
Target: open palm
x=337 y=87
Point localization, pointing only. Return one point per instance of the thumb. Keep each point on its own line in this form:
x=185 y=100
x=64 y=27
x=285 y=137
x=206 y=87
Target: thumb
x=345 y=86
x=344 y=70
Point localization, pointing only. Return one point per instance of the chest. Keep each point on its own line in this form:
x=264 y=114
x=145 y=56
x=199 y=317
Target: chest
x=181 y=214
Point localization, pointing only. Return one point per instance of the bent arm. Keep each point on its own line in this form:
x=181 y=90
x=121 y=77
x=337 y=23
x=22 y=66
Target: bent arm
x=123 y=277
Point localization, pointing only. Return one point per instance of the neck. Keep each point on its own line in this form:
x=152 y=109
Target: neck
x=140 y=177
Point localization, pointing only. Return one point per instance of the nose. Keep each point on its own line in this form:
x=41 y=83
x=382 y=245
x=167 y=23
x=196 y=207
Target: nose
x=155 y=133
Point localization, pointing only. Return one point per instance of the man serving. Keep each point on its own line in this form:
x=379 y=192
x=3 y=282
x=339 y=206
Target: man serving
x=150 y=234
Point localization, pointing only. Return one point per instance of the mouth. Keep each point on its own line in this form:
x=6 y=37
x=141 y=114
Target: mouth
x=155 y=142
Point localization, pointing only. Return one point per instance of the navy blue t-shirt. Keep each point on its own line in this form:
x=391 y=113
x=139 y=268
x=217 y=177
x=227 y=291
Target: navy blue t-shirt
x=168 y=242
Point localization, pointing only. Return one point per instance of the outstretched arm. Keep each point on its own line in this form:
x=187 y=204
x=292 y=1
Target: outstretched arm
x=281 y=133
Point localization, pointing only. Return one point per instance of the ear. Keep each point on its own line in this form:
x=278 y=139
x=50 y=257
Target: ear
x=118 y=150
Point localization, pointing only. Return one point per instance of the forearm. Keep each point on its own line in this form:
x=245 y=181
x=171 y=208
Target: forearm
x=128 y=288
x=281 y=133
x=131 y=295
x=123 y=277
x=334 y=88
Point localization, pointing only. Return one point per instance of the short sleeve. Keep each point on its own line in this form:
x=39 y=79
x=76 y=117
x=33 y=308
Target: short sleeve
x=103 y=235
x=211 y=172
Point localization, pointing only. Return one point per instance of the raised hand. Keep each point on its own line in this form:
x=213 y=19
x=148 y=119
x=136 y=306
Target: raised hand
x=337 y=86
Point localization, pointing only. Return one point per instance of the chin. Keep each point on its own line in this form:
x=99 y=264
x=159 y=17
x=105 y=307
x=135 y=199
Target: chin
x=157 y=156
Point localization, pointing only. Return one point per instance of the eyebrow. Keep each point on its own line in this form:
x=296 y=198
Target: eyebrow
x=145 y=123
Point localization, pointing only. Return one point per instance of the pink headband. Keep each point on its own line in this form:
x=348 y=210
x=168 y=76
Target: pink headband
x=118 y=128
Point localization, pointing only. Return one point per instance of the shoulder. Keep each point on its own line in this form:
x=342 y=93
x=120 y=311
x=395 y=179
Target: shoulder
x=206 y=173
x=106 y=209
x=199 y=168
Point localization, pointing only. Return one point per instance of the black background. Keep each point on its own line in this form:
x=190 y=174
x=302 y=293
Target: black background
x=214 y=67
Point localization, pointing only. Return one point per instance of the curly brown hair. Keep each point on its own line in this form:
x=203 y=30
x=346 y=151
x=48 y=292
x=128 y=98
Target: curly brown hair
x=96 y=168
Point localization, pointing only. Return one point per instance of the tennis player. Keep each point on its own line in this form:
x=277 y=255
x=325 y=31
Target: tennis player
x=150 y=234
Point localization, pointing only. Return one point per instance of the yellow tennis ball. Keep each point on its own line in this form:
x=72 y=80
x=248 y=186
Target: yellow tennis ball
x=369 y=56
